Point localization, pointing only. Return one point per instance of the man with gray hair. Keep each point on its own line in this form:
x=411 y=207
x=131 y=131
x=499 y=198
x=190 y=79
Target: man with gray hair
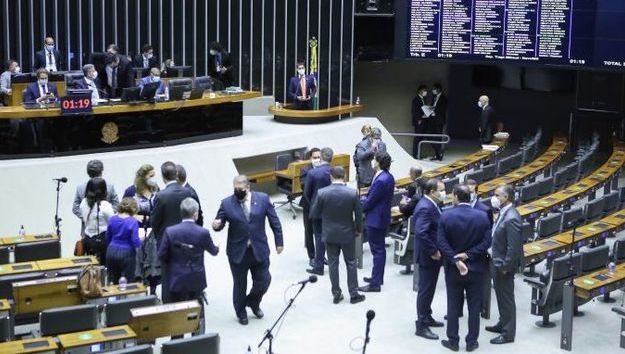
x=91 y=82
x=182 y=253
x=363 y=157
x=248 y=249
x=94 y=169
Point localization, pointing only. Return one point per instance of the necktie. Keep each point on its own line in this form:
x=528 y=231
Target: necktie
x=146 y=63
x=302 y=83
x=246 y=210
x=43 y=90
x=50 y=57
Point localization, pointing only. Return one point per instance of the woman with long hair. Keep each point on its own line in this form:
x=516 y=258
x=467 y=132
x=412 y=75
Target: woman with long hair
x=95 y=212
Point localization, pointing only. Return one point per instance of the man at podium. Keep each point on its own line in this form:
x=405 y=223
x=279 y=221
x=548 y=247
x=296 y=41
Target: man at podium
x=302 y=88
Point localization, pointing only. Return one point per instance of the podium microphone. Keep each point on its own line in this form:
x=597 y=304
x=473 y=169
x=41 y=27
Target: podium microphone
x=370 y=317
x=62 y=179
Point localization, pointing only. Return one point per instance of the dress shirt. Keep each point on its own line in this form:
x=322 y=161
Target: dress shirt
x=50 y=61
x=5 y=82
x=95 y=95
x=95 y=222
x=109 y=75
x=502 y=212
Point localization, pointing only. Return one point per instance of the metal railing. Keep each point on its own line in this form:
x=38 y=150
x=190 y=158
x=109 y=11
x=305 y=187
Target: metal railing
x=444 y=140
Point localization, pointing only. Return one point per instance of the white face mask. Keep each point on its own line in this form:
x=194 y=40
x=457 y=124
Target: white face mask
x=17 y=69
x=152 y=181
x=94 y=75
x=213 y=52
x=43 y=82
x=301 y=71
x=479 y=104
x=423 y=94
x=50 y=47
x=316 y=162
x=435 y=92
x=149 y=56
x=156 y=78
x=495 y=202
x=442 y=196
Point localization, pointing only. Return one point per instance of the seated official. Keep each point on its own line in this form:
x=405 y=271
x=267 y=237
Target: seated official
x=12 y=68
x=48 y=58
x=220 y=64
x=155 y=76
x=91 y=82
x=413 y=193
x=41 y=91
x=302 y=88
x=146 y=59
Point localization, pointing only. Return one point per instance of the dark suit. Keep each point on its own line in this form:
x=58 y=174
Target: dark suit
x=152 y=62
x=123 y=76
x=486 y=297
x=377 y=208
x=247 y=249
x=165 y=213
x=222 y=59
x=436 y=122
x=185 y=265
x=507 y=256
x=464 y=229
x=340 y=212
x=194 y=195
x=309 y=235
x=295 y=90
x=483 y=207
x=32 y=92
x=40 y=59
x=365 y=152
x=487 y=124
x=414 y=193
x=83 y=85
x=425 y=218
x=316 y=179
x=417 y=121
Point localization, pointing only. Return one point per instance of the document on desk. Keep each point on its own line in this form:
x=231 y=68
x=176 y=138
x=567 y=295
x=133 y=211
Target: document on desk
x=427 y=110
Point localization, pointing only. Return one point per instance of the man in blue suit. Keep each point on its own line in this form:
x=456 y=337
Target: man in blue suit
x=475 y=201
x=463 y=239
x=247 y=249
x=377 y=208
x=182 y=251
x=302 y=88
x=318 y=178
x=427 y=256
x=41 y=91
x=155 y=76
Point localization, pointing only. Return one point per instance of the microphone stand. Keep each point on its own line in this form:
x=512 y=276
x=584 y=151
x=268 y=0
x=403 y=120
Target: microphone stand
x=364 y=348
x=269 y=333
x=57 y=220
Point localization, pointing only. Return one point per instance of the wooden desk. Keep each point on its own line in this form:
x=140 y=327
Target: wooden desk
x=69 y=262
x=18 y=268
x=537 y=251
x=34 y=296
x=33 y=345
x=262 y=177
x=524 y=173
x=312 y=116
x=98 y=339
x=17 y=91
x=131 y=289
x=294 y=171
x=14 y=240
x=5 y=307
x=165 y=320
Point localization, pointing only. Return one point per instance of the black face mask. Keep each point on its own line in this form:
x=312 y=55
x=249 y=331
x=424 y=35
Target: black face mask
x=240 y=194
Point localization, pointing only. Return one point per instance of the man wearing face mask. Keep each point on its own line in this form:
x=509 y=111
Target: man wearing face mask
x=377 y=208
x=48 y=58
x=220 y=64
x=302 y=88
x=155 y=76
x=427 y=256
x=365 y=152
x=91 y=82
x=487 y=120
x=475 y=201
x=438 y=119
x=418 y=116
x=42 y=91
x=12 y=68
x=317 y=178
x=506 y=254
x=309 y=238
x=146 y=59
x=463 y=239
x=247 y=248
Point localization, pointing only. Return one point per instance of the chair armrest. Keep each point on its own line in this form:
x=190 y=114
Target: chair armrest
x=619 y=310
x=535 y=283
x=397 y=236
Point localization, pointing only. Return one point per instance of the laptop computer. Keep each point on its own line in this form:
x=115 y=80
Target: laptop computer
x=130 y=94
x=149 y=91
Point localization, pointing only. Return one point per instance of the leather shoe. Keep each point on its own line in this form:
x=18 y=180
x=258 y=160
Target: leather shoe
x=366 y=279
x=501 y=340
x=356 y=299
x=258 y=312
x=433 y=323
x=426 y=333
x=472 y=346
x=315 y=271
x=406 y=272
x=449 y=345
x=370 y=289
x=338 y=298
x=494 y=329
x=243 y=321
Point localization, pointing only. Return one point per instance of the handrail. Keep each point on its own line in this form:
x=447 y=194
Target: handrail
x=445 y=140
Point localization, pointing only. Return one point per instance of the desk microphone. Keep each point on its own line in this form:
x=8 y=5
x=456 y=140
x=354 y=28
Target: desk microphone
x=62 y=179
x=311 y=279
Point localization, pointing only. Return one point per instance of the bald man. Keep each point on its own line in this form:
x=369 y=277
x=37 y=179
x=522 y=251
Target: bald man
x=487 y=120
x=155 y=76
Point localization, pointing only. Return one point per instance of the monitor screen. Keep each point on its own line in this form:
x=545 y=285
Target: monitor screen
x=580 y=33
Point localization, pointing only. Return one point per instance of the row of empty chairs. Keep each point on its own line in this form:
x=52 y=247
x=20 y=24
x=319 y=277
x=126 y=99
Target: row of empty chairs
x=202 y=82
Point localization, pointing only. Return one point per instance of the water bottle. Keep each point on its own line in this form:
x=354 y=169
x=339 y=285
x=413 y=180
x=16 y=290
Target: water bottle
x=611 y=268
x=357 y=100
x=249 y=350
x=166 y=93
x=22 y=232
x=122 y=283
